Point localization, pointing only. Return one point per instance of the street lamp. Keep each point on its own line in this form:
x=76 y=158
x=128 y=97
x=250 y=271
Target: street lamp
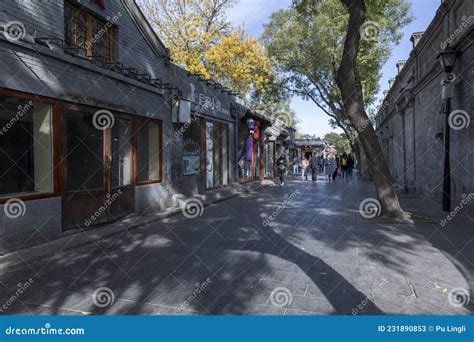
x=447 y=59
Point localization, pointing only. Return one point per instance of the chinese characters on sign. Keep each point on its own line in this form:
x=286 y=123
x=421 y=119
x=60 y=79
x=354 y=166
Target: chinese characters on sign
x=212 y=103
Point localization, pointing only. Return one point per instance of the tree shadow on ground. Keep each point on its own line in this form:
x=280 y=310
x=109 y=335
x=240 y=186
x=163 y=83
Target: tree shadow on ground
x=227 y=262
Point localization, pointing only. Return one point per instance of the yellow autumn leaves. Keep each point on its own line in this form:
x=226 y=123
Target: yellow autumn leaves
x=202 y=40
x=241 y=62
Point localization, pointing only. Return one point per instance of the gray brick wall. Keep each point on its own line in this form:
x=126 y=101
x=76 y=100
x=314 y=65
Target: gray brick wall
x=40 y=222
x=424 y=152
x=35 y=69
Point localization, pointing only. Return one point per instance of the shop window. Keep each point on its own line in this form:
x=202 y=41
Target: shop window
x=148 y=151
x=88 y=36
x=192 y=148
x=121 y=163
x=85 y=166
x=26 y=147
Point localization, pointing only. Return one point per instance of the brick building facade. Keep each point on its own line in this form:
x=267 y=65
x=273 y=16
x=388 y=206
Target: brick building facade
x=411 y=120
x=97 y=122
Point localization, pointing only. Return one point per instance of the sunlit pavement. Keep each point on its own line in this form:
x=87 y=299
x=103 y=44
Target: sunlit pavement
x=316 y=255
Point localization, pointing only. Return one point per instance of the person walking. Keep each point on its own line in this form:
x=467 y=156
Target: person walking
x=281 y=165
x=314 y=165
x=330 y=168
x=304 y=167
x=351 y=165
x=322 y=162
x=296 y=164
x=344 y=166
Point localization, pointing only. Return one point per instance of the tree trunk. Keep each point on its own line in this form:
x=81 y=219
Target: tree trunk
x=351 y=91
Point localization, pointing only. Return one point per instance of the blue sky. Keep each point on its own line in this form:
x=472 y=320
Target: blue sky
x=253 y=14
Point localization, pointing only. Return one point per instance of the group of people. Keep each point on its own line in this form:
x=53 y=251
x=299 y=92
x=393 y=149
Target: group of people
x=339 y=166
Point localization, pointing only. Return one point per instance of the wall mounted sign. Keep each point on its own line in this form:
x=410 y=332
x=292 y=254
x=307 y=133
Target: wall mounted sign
x=209 y=155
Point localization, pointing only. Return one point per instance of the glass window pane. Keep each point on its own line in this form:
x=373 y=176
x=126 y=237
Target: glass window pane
x=225 y=156
x=85 y=161
x=192 y=148
x=148 y=149
x=121 y=164
x=26 y=147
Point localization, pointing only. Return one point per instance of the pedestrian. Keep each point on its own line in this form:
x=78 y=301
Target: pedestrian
x=314 y=165
x=322 y=162
x=281 y=165
x=351 y=165
x=344 y=165
x=330 y=168
x=296 y=164
x=304 y=169
x=337 y=173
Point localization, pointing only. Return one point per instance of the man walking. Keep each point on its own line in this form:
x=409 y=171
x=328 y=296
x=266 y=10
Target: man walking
x=344 y=165
x=296 y=163
x=281 y=165
x=314 y=165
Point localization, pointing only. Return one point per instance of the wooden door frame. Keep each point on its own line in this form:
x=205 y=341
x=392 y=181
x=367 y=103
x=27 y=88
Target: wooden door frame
x=136 y=122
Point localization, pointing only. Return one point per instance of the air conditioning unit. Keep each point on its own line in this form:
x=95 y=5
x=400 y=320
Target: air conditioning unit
x=181 y=111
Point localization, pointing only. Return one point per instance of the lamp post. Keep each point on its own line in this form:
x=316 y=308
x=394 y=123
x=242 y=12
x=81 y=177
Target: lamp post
x=447 y=59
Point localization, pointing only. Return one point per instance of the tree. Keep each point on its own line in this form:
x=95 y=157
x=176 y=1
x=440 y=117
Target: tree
x=349 y=83
x=240 y=62
x=202 y=40
x=339 y=141
x=308 y=43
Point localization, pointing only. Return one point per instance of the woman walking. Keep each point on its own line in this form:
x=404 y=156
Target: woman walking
x=304 y=169
x=330 y=169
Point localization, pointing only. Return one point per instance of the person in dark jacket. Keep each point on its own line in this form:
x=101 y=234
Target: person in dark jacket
x=281 y=166
x=314 y=165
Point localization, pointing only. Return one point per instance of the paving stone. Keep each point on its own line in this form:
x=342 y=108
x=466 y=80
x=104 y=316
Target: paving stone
x=307 y=250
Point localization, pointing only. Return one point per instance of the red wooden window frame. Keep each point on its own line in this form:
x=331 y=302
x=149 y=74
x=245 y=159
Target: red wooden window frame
x=137 y=121
x=57 y=162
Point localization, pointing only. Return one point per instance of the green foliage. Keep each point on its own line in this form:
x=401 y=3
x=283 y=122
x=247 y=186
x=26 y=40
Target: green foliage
x=202 y=40
x=307 y=43
x=339 y=141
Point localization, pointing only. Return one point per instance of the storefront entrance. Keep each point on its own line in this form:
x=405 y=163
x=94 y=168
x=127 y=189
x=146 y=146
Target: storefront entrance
x=217 y=155
x=269 y=159
x=97 y=167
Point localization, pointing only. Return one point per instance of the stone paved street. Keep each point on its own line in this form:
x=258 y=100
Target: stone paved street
x=317 y=256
